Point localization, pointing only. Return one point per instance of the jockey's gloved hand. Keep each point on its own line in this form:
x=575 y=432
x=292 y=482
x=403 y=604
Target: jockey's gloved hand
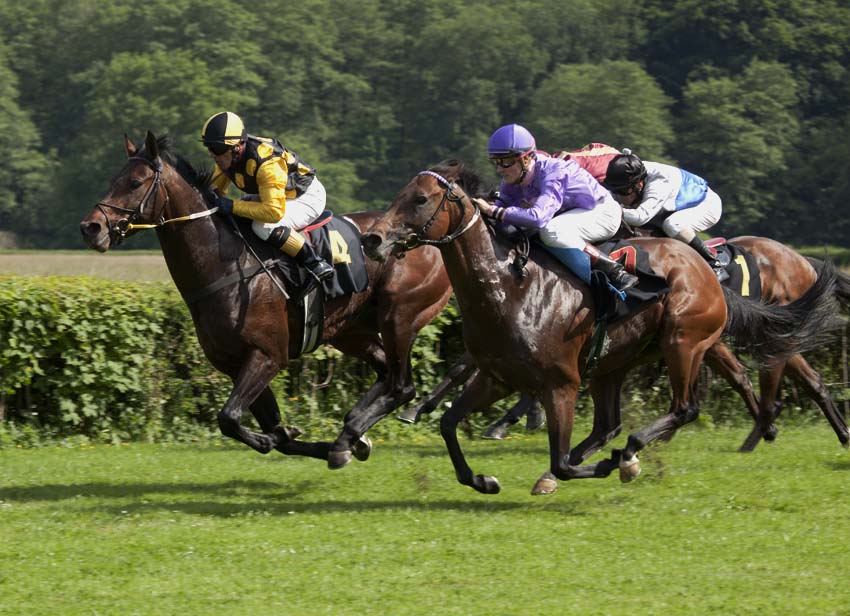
x=486 y=208
x=224 y=205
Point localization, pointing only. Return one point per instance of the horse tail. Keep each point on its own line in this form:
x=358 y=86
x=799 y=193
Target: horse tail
x=842 y=285
x=771 y=331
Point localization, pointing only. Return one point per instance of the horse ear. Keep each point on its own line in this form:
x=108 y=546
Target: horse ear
x=152 y=147
x=129 y=146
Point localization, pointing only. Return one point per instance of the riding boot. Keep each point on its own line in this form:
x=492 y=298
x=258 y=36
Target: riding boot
x=293 y=243
x=705 y=252
x=616 y=273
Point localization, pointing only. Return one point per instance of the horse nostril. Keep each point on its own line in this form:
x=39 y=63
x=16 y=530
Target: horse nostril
x=90 y=229
x=370 y=242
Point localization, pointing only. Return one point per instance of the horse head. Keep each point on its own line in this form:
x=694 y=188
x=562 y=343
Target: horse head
x=434 y=208
x=154 y=187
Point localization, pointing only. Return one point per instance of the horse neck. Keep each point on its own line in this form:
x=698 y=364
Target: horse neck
x=194 y=249
x=478 y=271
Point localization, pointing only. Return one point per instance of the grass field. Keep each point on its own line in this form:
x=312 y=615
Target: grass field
x=217 y=529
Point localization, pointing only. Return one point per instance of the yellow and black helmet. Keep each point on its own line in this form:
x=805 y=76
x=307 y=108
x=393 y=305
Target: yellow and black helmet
x=223 y=128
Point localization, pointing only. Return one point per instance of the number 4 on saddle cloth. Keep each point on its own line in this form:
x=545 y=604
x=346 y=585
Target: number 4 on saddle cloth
x=337 y=241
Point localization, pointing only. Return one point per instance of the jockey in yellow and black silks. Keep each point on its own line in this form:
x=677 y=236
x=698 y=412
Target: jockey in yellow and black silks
x=282 y=193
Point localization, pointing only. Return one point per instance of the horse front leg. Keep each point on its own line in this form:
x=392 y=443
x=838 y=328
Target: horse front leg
x=479 y=393
x=498 y=430
x=605 y=391
x=560 y=405
x=252 y=381
x=267 y=414
x=458 y=374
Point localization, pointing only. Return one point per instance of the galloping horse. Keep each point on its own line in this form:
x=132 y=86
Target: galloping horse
x=530 y=333
x=785 y=276
x=247 y=327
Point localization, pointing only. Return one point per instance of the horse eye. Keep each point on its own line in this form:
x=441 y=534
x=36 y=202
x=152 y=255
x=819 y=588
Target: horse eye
x=420 y=199
x=134 y=184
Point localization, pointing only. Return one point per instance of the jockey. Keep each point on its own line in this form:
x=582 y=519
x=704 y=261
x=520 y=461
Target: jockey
x=283 y=193
x=557 y=198
x=658 y=195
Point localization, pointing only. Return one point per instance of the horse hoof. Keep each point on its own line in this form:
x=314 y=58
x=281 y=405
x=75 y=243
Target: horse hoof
x=409 y=416
x=497 y=432
x=338 y=459
x=544 y=485
x=535 y=421
x=629 y=469
x=487 y=485
x=846 y=443
x=771 y=433
x=362 y=448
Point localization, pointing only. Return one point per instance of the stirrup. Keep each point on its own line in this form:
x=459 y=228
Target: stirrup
x=320 y=270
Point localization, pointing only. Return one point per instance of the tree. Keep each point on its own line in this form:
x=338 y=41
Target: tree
x=613 y=102
x=736 y=132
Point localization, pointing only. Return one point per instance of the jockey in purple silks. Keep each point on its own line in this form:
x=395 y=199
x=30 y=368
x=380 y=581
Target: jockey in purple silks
x=559 y=200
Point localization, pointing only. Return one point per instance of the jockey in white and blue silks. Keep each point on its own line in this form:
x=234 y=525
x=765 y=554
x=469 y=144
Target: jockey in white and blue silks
x=677 y=201
x=558 y=199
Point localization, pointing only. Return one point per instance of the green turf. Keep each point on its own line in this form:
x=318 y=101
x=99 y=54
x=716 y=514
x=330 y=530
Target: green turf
x=218 y=529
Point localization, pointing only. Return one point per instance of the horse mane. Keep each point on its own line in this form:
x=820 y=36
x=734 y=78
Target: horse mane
x=198 y=178
x=464 y=176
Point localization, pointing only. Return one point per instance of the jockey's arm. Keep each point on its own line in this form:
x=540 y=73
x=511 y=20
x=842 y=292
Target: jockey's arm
x=658 y=195
x=271 y=181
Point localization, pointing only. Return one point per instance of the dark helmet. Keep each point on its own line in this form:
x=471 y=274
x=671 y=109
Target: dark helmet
x=223 y=128
x=624 y=171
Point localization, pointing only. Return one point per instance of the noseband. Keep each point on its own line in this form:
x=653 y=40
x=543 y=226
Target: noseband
x=417 y=238
x=122 y=226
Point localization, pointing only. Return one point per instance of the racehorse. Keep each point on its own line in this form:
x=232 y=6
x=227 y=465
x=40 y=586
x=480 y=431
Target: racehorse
x=785 y=276
x=246 y=326
x=530 y=333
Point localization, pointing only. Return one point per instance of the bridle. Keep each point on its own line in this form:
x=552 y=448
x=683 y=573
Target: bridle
x=119 y=230
x=417 y=238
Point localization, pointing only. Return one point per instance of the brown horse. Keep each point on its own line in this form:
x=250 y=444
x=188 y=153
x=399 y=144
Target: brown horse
x=247 y=328
x=785 y=276
x=530 y=334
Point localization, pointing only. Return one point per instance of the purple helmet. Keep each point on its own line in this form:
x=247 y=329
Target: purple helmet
x=511 y=139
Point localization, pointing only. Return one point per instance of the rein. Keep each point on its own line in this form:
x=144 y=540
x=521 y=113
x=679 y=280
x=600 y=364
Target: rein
x=418 y=238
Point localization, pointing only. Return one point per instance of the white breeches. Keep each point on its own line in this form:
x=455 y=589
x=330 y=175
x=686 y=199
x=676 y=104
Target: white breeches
x=697 y=218
x=576 y=227
x=300 y=211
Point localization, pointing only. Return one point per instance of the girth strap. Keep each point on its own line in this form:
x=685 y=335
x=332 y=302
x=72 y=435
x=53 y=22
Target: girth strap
x=233 y=278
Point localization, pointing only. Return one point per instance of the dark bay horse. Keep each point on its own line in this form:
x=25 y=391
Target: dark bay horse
x=247 y=328
x=530 y=334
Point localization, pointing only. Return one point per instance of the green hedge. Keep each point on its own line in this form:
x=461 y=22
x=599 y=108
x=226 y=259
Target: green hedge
x=86 y=358
x=101 y=359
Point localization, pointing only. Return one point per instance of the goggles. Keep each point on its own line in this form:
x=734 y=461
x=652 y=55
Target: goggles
x=504 y=162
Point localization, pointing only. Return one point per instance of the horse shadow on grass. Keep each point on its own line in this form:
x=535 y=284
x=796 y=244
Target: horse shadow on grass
x=266 y=498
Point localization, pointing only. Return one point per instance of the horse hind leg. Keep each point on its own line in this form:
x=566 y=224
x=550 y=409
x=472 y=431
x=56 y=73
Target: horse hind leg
x=803 y=374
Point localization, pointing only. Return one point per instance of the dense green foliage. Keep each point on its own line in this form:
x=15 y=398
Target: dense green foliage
x=750 y=95
x=182 y=529
x=88 y=359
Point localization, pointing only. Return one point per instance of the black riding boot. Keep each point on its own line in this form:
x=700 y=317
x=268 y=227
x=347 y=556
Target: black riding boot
x=295 y=245
x=705 y=252
x=616 y=273
x=309 y=260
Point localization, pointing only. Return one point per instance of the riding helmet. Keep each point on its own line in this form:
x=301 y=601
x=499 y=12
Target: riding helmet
x=223 y=128
x=624 y=171
x=511 y=139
